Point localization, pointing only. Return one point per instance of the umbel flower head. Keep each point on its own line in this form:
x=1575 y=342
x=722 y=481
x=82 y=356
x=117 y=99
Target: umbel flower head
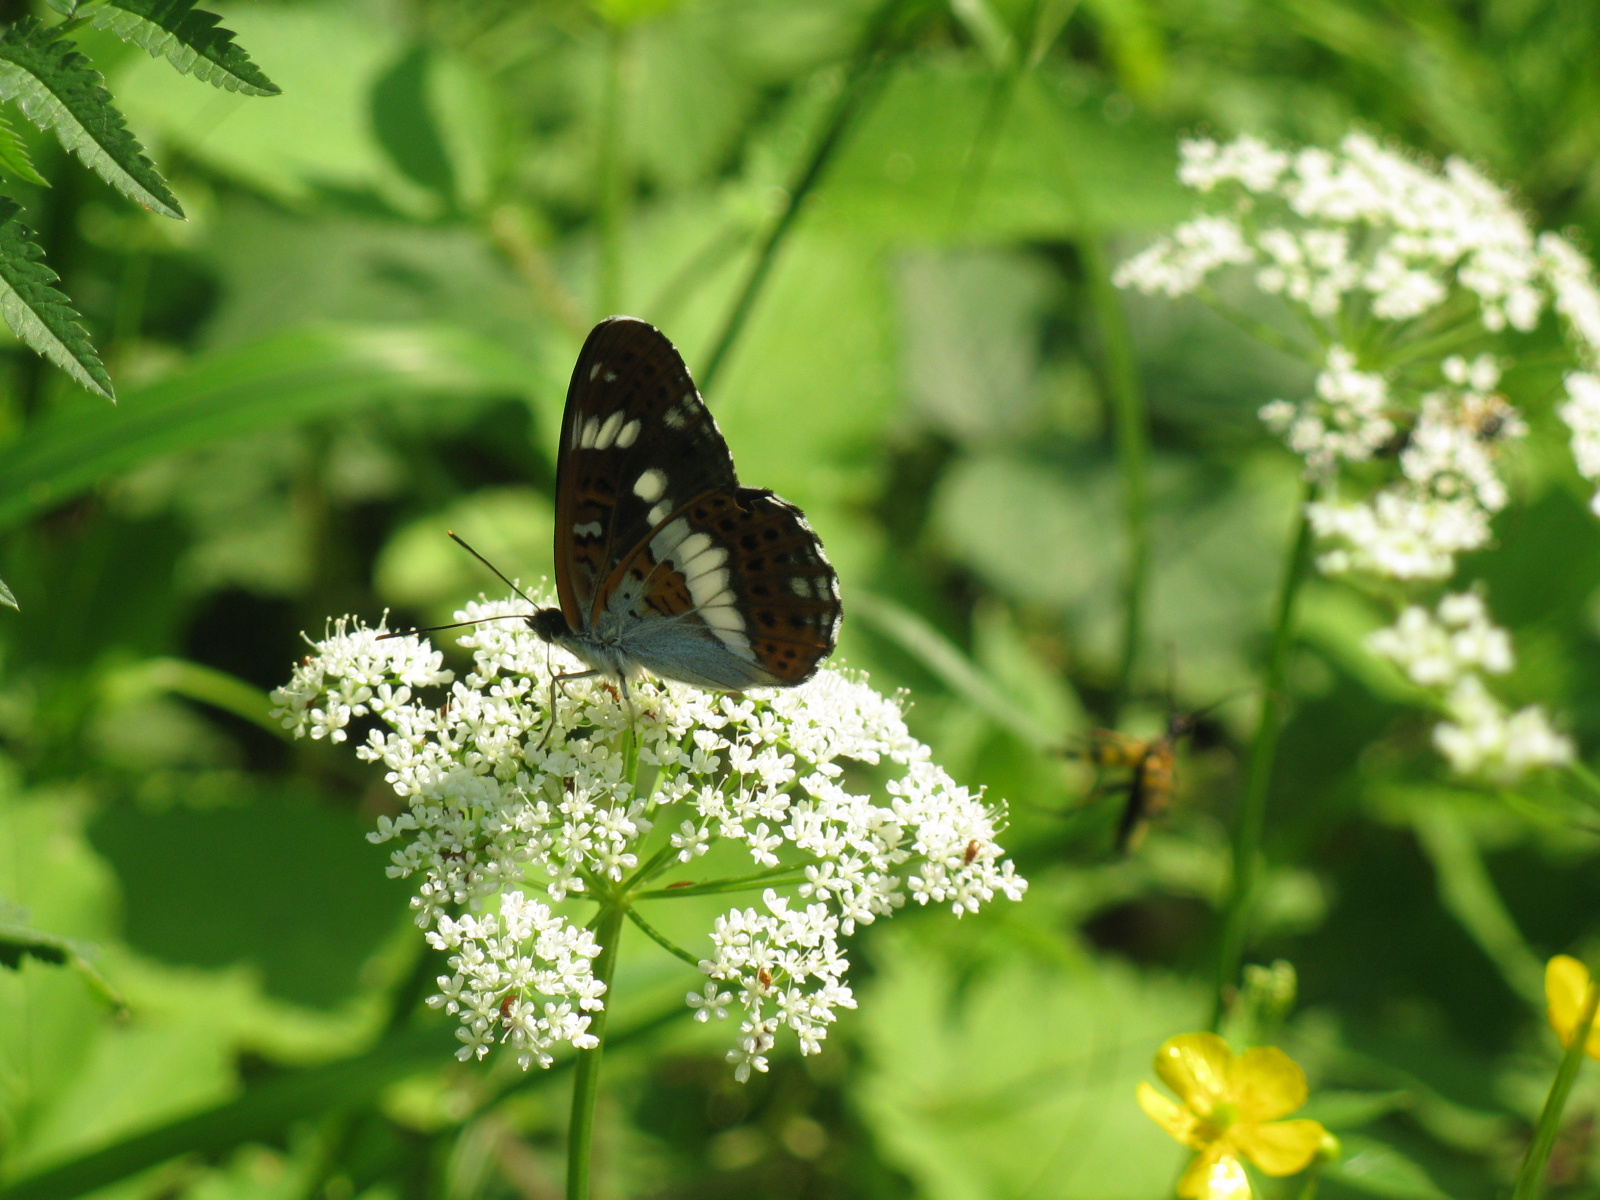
x=1408 y=286
x=1229 y=1108
x=518 y=794
x=1567 y=990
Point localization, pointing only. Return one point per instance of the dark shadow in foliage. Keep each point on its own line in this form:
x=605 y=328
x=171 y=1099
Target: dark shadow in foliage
x=282 y=883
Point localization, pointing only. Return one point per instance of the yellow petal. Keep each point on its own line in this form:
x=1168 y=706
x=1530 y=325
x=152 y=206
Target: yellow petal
x=1565 y=982
x=1265 y=1084
x=1215 y=1174
x=1280 y=1148
x=1175 y=1119
x=1195 y=1065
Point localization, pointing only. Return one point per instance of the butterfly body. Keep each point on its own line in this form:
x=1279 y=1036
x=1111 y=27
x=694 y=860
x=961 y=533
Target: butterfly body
x=664 y=563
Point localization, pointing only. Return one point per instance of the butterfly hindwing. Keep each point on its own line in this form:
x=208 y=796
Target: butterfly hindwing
x=732 y=590
x=636 y=442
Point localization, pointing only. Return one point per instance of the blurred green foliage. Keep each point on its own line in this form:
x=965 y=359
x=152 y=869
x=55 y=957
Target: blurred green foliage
x=360 y=337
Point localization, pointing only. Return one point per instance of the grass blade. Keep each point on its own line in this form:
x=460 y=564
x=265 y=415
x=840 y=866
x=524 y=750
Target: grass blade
x=37 y=312
x=284 y=378
x=60 y=92
x=189 y=38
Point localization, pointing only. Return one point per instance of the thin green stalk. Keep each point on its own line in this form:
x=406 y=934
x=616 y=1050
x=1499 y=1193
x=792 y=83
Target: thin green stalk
x=586 y=1080
x=866 y=72
x=661 y=939
x=1130 y=424
x=1259 y=330
x=777 y=876
x=1530 y=1180
x=610 y=190
x=1253 y=806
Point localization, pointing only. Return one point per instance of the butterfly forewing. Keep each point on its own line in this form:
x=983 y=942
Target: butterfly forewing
x=636 y=442
x=662 y=560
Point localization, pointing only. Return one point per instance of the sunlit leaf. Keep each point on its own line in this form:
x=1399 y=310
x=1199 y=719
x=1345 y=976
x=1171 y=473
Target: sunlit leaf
x=6 y=596
x=189 y=38
x=37 y=312
x=60 y=92
x=19 y=940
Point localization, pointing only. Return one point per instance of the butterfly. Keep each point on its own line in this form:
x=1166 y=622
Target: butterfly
x=664 y=563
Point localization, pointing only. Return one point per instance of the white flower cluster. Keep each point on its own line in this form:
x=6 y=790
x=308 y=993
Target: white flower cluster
x=1449 y=484
x=1378 y=256
x=504 y=793
x=1446 y=652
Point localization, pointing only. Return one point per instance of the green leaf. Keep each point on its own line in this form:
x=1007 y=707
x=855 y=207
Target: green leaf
x=189 y=38
x=14 y=159
x=196 y=681
x=278 y=380
x=19 y=940
x=39 y=314
x=1378 y=1169
x=404 y=123
x=65 y=7
x=60 y=92
x=7 y=597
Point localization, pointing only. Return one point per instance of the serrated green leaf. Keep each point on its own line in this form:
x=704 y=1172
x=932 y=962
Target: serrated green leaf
x=14 y=159
x=6 y=596
x=39 y=314
x=189 y=38
x=59 y=91
x=280 y=379
x=19 y=940
x=1378 y=1169
x=65 y=7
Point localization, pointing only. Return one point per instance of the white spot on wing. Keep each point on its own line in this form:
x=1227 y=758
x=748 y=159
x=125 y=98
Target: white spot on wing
x=591 y=429
x=707 y=560
x=629 y=433
x=649 y=486
x=692 y=546
x=594 y=370
x=589 y=529
x=610 y=376
x=710 y=588
x=659 y=513
x=668 y=540
x=723 y=617
x=608 y=432
x=800 y=586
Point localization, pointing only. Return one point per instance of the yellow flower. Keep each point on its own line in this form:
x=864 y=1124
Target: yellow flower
x=1230 y=1107
x=1566 y=984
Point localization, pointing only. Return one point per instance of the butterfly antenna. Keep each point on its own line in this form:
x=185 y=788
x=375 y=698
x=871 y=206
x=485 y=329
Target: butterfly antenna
x=394 y=633
x=498 y=573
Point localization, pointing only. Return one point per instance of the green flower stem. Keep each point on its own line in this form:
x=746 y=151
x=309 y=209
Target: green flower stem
x=1253 y=807
x=866 y=72
x=1259 y=330
x=776 y=877
x=586 y=1080
x=610 y=189
x=658 y=862
x=661 y=939
x=1133 y=454
x=1530 y=1180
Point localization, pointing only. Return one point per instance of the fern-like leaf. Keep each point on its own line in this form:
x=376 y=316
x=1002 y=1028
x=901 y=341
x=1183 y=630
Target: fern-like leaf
x=189 y=38
x=14 y=158
x=59 y=91
x=39 y=314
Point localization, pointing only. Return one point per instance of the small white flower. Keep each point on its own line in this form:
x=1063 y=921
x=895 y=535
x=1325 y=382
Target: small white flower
x=1482 y=738
x=710 y=1003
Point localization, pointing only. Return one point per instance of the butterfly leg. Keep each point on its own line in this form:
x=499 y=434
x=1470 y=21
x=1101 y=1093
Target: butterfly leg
x=560 y=677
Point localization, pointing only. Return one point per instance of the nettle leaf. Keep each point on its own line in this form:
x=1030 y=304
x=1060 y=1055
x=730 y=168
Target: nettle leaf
x=189 y=38
x=14 y=158
x=59 y=91
x=39 y=314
